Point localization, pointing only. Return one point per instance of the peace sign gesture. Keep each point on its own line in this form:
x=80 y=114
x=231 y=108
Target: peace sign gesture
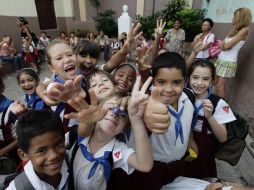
x=139 y=98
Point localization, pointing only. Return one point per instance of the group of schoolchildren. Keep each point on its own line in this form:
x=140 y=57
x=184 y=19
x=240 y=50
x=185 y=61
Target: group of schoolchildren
x=119 y=125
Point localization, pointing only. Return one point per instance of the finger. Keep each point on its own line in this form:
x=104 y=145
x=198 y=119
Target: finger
x=155 y=94
x=77 y=82
x=74 y=104
x=146 y=85
x=93 y=97
x=71 y=115
x=164 y=24
x=161 y=22
x=138 y=35
x=123 y=103
x=160 y=128
x=159 y=118
x=137 y=84
x=136 y=28
x=82 y=94
x=157 y=24
x=81 y=103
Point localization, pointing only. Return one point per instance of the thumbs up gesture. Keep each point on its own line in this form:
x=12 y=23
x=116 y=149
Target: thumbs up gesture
x=156 y=116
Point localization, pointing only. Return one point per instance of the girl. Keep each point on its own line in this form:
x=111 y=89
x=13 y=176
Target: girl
x=125 y=77
x=28 y=52
x=208 y=122
x=25 y=31
x=28 y=80
x=73 y=39
x=226 y=64
x=97 y=154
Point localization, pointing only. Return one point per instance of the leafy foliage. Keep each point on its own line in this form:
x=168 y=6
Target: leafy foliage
x=174 y=6
x=106 y=21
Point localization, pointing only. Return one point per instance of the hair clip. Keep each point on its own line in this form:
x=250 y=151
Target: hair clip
x=118 y=111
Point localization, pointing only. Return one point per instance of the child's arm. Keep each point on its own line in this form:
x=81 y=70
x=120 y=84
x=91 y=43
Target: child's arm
x=241 y=35
x=120 y=56
x=87 y=114
x=8 y=148
x=219 y=130
x=156 y=116
x=142 y=160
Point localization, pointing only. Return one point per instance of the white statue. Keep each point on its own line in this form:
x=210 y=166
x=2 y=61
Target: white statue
x=124 y=21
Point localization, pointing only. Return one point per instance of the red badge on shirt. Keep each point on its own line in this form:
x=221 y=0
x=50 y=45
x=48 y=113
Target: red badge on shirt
x=117 y=154
x=226 y=109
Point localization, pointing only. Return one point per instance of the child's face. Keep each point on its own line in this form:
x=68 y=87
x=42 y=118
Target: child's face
x=200 y=80
x=170 y=82
x=101 y=85
x=124 y=77
x=63 y=61
x=86 y=63
x=112 y=124
x=46 y=152
x=28 y=83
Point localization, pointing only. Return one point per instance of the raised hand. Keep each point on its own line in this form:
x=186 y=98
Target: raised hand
x=63 y=92
x=143 y=58
x=156 y=116
x=208 y=108
x=138 y=99
x=17 y=108
x=87 y=114
x=158 y=31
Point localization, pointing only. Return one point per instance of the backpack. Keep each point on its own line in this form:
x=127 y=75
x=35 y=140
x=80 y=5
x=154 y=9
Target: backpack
x=214 y=48
x=231 y=150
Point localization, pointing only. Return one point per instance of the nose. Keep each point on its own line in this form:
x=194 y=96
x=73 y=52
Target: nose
x=199 y=81
x=52 y=154
x=168 y=88
x=88 y=59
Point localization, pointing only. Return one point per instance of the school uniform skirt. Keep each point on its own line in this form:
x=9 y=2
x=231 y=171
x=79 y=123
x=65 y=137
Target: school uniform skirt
x=225 y=69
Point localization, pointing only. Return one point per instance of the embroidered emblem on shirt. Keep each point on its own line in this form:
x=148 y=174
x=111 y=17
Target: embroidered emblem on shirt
x=117 y=154
x=226 y=108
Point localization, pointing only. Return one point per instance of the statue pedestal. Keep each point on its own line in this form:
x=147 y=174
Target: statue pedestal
x=124 y=21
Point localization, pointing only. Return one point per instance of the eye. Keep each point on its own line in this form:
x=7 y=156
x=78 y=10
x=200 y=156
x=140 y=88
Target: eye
x=120 y=74
x=93 y=85
x=41 y=150
x=177 y=82
x=58 y=58
x=161 y=82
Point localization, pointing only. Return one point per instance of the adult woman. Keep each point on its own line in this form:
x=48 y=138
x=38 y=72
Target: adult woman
x=226 y=64
x=91 y=37
x=206 y=38
x=174 y=39
x=25 y=32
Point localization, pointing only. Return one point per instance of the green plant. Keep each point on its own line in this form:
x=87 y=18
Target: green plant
x=191 y=20
x=106 y=21
x=148 y=24
x=174 y=6
x=96 y=4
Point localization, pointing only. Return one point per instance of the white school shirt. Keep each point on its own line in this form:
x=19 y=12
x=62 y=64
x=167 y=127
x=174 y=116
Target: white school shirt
x=164 y=147
x=82 y=167
x=231 y=54
x=38 y=184
x=222 y=114
x=209 y=38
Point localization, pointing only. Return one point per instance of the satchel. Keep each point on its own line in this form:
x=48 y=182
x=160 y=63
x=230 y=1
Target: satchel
x=232 y=149
x=214 y=49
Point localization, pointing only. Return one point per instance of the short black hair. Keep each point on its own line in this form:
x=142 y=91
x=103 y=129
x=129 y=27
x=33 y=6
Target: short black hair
x=169 y=60
x=208 y=20
x=35 y=123
x=86 y=47
x=202 y=63
x=23 y=20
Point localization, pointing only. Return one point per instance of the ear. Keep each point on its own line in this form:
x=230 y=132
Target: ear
x=51 y=68
x=23 y=156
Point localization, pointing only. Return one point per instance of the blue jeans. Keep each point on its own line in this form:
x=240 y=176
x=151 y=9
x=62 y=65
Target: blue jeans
x=17 y=60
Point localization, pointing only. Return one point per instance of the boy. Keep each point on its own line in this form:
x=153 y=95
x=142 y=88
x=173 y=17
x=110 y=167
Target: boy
x=169 y=142
x=41 y=143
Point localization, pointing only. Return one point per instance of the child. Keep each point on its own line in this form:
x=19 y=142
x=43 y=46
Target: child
x=209 y=122
x=102 y=83
x=115 y=46
x=226 y=64
x=41 y=143
x=91 y=163
x=8 y=111
x=169 y=144
x=73 y=39
x=125 y=76
x=28 y=53
x=28 y=80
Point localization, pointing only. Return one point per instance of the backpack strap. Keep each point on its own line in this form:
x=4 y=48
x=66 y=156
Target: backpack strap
x=214 y=99
x=71 y=178
x=22 y=182
x=190 y=95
